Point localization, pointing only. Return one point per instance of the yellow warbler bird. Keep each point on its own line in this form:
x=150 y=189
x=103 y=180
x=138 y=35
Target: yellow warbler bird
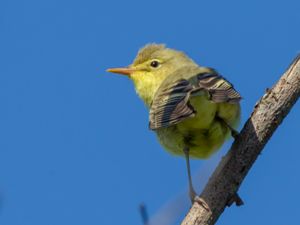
x=192 y=108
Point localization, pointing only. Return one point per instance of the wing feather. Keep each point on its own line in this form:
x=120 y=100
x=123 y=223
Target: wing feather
x=219 y=88
x=171 y=103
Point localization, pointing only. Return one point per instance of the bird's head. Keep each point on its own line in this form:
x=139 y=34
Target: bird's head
x=152 y=65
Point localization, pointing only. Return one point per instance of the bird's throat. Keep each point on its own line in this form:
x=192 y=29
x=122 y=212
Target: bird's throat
x=146 y=87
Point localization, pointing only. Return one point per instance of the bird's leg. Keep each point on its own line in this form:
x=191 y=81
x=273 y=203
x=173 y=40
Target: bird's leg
x=192 y=191
x=234 y=133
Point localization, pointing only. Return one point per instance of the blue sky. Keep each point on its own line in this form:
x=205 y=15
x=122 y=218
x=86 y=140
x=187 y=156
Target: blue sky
x=75 y=146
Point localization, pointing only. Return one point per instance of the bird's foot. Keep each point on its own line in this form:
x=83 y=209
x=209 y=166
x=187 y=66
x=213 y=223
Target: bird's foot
x=201 y=202
x=193 y=195
x=234 y=133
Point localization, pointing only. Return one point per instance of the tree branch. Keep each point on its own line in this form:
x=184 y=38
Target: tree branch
x=269 y=112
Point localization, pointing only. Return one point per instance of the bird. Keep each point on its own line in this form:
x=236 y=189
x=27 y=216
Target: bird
x=192 y=108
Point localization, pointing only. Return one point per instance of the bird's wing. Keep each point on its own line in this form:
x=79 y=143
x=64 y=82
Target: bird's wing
x=219 y=89
x=171 y=103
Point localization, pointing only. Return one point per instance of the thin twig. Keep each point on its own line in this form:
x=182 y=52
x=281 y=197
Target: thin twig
x=144 y=214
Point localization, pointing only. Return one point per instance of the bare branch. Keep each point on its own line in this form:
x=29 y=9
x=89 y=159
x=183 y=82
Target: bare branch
x=269 y=112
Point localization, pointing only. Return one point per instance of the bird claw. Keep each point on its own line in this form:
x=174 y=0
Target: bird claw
x=193 y=195
x=201 y=202
x=234 y=133
x=195 y=198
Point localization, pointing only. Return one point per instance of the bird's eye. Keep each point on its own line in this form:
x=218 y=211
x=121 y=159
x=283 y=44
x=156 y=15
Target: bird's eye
x=154 y=64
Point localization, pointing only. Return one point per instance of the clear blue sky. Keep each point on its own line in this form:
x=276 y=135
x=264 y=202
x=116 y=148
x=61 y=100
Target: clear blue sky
x=75 y=146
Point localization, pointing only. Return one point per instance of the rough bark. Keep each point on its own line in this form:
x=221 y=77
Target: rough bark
x=269 y=112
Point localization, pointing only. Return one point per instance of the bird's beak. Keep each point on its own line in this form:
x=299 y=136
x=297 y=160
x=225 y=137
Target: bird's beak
x=124 y=71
